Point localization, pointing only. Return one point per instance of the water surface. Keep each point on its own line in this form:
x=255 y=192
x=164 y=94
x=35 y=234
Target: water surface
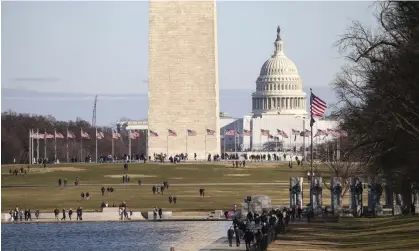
x=140 y=236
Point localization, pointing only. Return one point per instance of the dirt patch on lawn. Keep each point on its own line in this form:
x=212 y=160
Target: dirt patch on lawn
x=130 y=175
x=57 y=169
x=238 y=174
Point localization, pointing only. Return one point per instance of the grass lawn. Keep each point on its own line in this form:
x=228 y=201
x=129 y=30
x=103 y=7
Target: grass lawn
x=383 y=233
x=92 y=177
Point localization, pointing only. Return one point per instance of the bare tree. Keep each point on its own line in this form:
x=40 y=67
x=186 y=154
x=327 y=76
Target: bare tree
x=344 y=167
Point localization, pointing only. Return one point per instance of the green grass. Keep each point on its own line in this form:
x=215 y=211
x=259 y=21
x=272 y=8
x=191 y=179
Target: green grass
x=383 y=233
x=94 y=176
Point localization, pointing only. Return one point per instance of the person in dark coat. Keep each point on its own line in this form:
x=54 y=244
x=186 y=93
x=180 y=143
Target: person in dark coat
x=230 y=235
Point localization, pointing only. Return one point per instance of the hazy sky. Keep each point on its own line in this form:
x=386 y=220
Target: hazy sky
x=102 y=47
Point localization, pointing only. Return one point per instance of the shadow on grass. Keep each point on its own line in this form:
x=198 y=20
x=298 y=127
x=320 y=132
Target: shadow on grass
x=390 y=233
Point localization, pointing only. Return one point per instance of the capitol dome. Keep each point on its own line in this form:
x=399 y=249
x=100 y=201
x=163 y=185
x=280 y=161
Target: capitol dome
x=279 y=88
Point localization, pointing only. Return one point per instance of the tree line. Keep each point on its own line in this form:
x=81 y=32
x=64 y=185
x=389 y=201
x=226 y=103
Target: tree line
x=378 y=93
x=15 y=138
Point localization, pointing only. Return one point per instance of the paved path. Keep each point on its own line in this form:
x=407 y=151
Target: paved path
x=171 y=185
x=222 y=245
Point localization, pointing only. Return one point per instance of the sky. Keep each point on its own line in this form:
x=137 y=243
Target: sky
x=50 y=49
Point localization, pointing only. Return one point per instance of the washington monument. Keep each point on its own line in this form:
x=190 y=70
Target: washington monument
x=183 y=113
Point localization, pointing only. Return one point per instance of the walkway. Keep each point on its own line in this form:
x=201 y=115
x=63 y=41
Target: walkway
x=172 y=185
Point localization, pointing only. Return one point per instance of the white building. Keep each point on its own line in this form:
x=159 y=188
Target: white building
x=278 y=104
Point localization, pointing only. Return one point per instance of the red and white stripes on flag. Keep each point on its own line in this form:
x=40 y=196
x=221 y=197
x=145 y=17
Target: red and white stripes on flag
x=230 y=132
x=343 y=133
x=70 y=135
x=84 y=135
x=116 y=135
x=48 y=136
x=210 y=132
x=337 y=133
x=246 y=132
x=320 y=133
x=282 y=133
x=264 y=132
x=172 y=132
x=153 y=133
x=190 y=132
x=317 y=106
x=307 y=133
x=58 y=135
x=100 y=135
x=134 y=134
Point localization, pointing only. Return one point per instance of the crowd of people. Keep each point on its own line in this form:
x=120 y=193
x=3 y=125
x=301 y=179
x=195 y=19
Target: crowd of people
x=258 y=231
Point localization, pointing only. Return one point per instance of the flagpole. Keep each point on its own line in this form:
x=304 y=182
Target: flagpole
x=167 y=146
x=55 y=146
x=311 y=151
x=146 y=144
x=205 y=153
x=81 y=144
x=96 y=142
x=37 y=145
x=67 y=147
x=45 y=145
x=30 y=146
x=186 y=142
x=129 y=144
x=224 y=139
x=113 y=147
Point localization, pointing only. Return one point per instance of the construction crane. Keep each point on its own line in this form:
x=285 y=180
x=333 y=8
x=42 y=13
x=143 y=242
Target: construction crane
x=94 y=113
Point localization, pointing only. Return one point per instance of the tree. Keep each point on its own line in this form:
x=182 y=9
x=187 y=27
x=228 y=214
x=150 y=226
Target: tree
x=15 y=138
x=378 y=93
x=342 y=163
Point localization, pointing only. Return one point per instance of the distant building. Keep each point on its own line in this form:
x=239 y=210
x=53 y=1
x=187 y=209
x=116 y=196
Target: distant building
x=279 y=112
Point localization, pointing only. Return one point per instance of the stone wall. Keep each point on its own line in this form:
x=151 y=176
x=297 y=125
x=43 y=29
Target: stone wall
x=183 y=77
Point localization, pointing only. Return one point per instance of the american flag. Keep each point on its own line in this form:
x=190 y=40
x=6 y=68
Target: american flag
x=100 y=135
x=295 y=132
x=70 y=135
x=282 y=133
x=48 y=136
x=37 y=135
x=210 y=132
x=230 y=133
x=171 y=132
x=191 y=132
x=134 y=134
x=153 y=134
x=116 y=135
x=343 y=133
x=333 y=132
x=307 y=133
x=84 y=135
x=317 y=108
x=58 y=135
x=264 y=132
x=320 y=133
x=246 y=132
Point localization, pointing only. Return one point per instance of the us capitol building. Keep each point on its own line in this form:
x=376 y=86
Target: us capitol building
x=278 y=104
